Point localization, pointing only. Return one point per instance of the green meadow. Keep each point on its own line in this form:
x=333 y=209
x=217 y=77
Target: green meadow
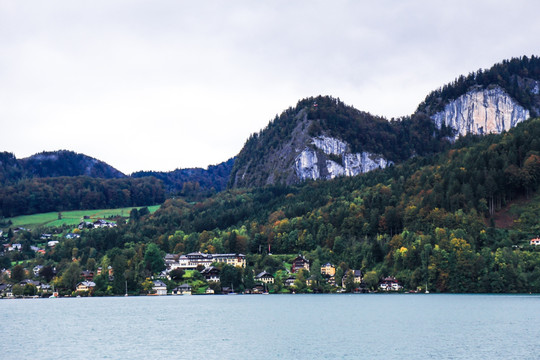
x=74 y=217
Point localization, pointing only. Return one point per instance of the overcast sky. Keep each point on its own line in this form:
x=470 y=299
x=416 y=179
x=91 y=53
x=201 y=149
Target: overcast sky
x=160 y=85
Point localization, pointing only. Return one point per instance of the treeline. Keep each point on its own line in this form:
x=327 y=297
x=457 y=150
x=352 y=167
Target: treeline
x=193 y=184
x=513 y=75
x=77 y=193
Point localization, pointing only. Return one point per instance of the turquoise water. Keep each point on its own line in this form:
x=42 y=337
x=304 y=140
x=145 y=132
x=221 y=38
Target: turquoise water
x=273 y=327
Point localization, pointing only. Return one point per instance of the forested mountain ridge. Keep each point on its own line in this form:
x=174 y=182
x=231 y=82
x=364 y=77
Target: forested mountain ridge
x=54 y=164
x=193 y=183
x=322 y=138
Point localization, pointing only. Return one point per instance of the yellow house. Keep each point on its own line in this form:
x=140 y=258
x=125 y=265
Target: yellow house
x=328 y=269
x=230 y=259
x=86 y=286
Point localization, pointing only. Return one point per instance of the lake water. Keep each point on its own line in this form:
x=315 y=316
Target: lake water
x=368 y=326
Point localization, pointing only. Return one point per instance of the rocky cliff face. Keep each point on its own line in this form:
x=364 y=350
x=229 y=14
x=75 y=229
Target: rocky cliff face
x=299 y=156
x=327 y=158
x=482 y=112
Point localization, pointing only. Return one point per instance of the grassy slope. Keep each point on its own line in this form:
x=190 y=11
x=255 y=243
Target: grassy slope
x=70 y=217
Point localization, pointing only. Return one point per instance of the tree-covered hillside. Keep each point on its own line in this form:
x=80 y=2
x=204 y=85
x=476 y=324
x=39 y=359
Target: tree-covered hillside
x=427 y=221
x=53 y=164
x=195 y=183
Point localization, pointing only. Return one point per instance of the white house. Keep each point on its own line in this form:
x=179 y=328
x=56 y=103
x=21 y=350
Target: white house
x=159 y=287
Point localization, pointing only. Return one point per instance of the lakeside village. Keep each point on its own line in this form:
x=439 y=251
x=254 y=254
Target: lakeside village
x=187 y=274
x=207 y=272
x=193 y=273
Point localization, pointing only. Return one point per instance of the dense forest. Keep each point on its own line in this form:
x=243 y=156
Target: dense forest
x=427 y=221
x=39 y=195
x=64 y=180
x=194 y=183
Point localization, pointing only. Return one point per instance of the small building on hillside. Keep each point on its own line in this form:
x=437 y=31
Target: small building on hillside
x=298 y=263
x=328 y=269
x=52 y=243
x=357 y=276
x=289 y=281
x=170 y=259
x=211 y=274
x=85 y=225
x=86 y=286
x=265 y=277
x=535 y=241
x=87 y=275
x=37 y=269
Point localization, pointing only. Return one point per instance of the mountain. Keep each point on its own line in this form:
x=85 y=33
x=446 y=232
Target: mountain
x=322 y=138
x=54 y=164
x=194 y=182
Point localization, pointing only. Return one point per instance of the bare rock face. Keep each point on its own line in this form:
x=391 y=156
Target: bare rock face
x=482 y=112
x=314 y=163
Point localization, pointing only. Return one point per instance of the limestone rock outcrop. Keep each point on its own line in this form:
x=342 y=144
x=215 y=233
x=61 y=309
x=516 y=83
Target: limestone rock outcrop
x=482 y=111
x=329 y=157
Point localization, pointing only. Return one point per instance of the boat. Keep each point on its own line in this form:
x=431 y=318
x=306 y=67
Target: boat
x=54 y=294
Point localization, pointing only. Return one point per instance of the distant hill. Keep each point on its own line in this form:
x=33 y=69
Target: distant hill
x=194 y=182
x=64 y=180
x=54 y=164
